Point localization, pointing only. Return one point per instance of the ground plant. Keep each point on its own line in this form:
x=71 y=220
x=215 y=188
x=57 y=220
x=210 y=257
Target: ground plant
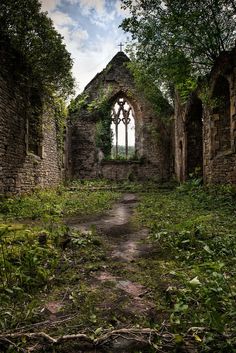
x=194 y=230
x=33 y=235
x=188 y=273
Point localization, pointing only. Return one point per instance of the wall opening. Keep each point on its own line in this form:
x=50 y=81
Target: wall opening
x=221 y=111
x=194 y=153
x=123 y=130
x=34 y=125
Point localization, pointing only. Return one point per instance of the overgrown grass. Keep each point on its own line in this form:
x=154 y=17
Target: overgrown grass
x=193 y=230
x=189 y=272
x=32 y=237
x=61 y=202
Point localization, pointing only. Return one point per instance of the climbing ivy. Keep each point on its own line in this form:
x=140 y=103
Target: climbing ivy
x=104 y=135
x=78 y=103
x=103 y=127
x=145 y=84
x=100 y=107
x=60 y=115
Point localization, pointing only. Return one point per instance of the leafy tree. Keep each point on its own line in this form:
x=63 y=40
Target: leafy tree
x=178 y=40
x=31 y=33
x=148 y=86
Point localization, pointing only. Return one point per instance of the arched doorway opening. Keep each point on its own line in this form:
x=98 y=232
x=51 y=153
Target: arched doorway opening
x=194 y=152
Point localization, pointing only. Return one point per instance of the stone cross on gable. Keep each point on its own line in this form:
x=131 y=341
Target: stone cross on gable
x=121 y=45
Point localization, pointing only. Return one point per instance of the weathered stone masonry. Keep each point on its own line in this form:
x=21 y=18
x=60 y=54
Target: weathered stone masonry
x=219 y=129
x=203 y=138
x=28 y=148
x=152 y=140
x=205 y=127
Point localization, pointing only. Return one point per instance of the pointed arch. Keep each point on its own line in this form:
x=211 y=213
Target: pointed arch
x=123 y=128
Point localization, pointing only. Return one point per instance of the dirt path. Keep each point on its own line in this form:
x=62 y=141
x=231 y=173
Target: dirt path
x=126 y=300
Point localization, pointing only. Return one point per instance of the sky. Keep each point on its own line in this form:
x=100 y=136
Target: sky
x=91 y=33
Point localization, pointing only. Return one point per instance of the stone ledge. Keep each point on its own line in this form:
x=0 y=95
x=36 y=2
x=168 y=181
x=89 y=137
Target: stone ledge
x=120 y=161
x=226 y=153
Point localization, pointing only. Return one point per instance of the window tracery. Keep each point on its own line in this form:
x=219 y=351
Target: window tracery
x=123 y=128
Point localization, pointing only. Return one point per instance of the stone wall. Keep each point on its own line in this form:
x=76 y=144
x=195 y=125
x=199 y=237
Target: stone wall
x=128 y=170
x=205 y=132
x=152 y=138
x=188 y=137
x=220 y=123
x=21 y=170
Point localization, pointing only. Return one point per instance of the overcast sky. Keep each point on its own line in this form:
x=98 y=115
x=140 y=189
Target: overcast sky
x=91 y=33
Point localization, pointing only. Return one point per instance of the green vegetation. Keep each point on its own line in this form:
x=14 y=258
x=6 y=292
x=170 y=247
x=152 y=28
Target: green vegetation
x=151 y=90
x=104 y=136
x=100 y=107
x=60 y=115
x=176 y=41
x=33 y=236
x=188 y=272
x=122 y=153
x=58 y=203
x=192 y=269
x=31 y=34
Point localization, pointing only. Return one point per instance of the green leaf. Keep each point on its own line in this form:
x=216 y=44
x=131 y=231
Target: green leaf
x=207 y=249
x=195 y=282
x=178 y=338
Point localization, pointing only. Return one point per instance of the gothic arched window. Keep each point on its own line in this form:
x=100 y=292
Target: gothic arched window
x=123 y=129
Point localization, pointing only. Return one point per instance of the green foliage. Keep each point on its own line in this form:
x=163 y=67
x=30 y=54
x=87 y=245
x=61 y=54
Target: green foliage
x=101 y=103
x=101 y=106
x=176 y=41
x=194 y=229
x=104 y=135
x=31 y=33
x=31 y=253
x=78 y=103
x=145 y=83
x=122 y=153
x=186 y=87
x=60 y=116
x=188 y=270
x=26 y=267
x=56 y=203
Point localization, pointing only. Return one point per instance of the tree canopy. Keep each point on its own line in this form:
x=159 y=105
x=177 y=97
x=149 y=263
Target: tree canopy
x=178 y=40
x=31 y=33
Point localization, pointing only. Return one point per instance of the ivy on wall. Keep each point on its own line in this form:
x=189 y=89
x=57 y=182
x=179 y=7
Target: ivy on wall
x=60 y=115
x=104 y=136
x=101 y=108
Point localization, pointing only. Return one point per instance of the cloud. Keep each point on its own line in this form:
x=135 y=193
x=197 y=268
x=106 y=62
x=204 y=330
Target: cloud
x=79 y=37
x=102 y=20
x=90 y=32
x=120 y=11
x=61 y=19
x=74 y=36
x=50 y=5
x=87 y=6
x=93 y=59
x=73 y=2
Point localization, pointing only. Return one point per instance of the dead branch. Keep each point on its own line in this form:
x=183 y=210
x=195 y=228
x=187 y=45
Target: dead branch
x=146 y=336
x=132 y=333
x=46 y=323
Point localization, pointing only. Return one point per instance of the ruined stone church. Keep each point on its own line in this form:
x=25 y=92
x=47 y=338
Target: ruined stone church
x=200 y=138
x=151 y=148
